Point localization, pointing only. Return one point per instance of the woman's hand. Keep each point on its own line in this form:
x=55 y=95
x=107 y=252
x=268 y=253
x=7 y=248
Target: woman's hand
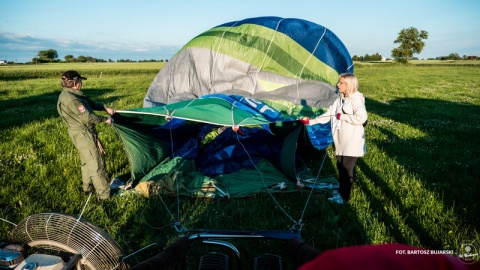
x=111 y=111
x=305 y=120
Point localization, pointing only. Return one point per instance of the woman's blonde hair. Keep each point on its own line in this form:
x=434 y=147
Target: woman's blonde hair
x=352 y=83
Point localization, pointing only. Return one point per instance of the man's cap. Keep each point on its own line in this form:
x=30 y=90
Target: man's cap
x=72 y=75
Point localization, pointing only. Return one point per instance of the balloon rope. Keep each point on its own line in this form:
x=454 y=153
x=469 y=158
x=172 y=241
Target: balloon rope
x=258 y=170
x=263 y=180
x=8 y=222
x=217 y=52
x=178 y=226
x=349 y=68
x=174 y=170
x=85 y=206
x=266 y=54
x=312 y=53
x=319 y=169
x=305 y=64
x=311 y=191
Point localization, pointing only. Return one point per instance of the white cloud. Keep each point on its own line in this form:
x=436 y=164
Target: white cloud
x=24 y=47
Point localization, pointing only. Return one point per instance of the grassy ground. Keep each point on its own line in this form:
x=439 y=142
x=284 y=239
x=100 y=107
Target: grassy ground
x=417 y=185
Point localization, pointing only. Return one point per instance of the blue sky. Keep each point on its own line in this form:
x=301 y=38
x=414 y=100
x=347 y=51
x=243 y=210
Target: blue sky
x=156 y=29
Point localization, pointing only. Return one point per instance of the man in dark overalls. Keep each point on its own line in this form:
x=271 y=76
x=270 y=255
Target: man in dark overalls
x=76 y=111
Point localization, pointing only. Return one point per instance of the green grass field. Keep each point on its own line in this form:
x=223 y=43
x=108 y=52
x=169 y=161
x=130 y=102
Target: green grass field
x=417 y=185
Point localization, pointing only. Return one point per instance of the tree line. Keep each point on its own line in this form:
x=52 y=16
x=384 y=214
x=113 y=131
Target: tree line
x=378 y=57
x=411 y=41
x=51 y=56
x=366 y=57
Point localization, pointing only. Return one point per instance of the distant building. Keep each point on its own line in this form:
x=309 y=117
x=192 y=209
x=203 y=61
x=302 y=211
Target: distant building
x=3 y=62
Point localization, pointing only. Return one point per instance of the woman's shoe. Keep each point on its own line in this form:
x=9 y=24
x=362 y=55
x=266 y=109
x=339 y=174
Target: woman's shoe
x=336 y=199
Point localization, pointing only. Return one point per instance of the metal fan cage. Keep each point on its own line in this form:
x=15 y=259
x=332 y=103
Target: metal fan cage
x=67 y=233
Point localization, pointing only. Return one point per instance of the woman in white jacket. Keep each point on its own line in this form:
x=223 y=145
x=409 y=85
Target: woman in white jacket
x=348 y=116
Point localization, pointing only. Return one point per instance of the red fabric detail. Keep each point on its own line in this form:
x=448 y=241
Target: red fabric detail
x=386 y=256
x=81 y=108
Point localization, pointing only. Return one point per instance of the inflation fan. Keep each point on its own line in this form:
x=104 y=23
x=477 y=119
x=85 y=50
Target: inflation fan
x=64 y=241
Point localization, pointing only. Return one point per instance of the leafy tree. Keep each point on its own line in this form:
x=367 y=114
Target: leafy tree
x=90 y=59
x=376 y=57
x=48 y=55
x=367 y=57
x=69 y=58
x=411 y=41
x=454 y=56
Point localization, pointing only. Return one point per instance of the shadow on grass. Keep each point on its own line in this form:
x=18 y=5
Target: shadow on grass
x=325 y=225
x=386 y=217
x=42 y=107
x=445 y=156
